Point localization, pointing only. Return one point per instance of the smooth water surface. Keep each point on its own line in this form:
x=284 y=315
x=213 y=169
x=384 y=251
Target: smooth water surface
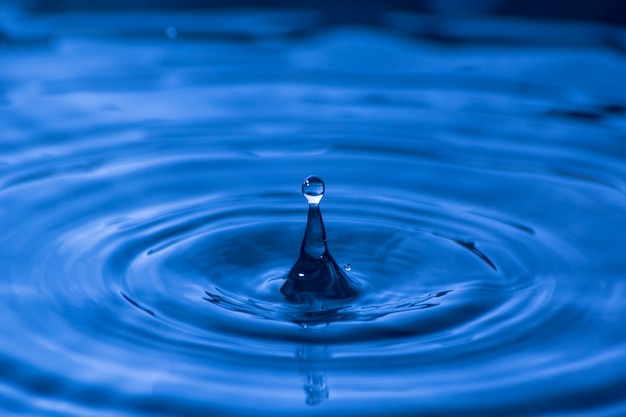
x=150 y=211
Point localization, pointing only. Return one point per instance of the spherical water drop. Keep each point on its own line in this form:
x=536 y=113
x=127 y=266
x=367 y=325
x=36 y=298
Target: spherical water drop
x=347 y=267
x=313 y=189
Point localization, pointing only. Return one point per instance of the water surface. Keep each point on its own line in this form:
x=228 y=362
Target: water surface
x=150 y=210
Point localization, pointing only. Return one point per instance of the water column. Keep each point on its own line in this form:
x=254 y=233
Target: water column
x=315 y=275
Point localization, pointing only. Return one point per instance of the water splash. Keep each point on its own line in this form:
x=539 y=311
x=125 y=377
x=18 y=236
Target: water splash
x=315 y=275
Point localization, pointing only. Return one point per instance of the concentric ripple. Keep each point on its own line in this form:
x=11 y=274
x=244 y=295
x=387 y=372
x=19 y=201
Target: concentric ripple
x=147 y=229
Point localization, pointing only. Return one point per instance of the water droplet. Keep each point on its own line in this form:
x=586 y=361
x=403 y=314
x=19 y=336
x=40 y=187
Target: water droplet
x=347 y=267
x=313 y=189
x=171 y=32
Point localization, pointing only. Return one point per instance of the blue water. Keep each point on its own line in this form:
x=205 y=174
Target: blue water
x=150 y=211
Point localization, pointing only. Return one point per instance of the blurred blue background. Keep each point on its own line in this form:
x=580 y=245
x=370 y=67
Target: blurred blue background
x=368 y=12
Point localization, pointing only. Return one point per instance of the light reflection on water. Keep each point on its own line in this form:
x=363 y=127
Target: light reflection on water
x=150 y=211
